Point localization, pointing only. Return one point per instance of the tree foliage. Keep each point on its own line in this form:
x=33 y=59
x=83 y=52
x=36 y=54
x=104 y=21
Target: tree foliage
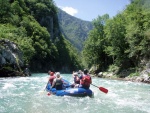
x=137 y=27
x=93 y=51
x=115 y=38
x=123 y=40
x=22 y=22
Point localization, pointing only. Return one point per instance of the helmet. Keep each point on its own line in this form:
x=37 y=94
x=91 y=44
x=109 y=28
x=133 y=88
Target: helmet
x=75 y=74
x=58 y=74
x=51 y=73
x=85 y=71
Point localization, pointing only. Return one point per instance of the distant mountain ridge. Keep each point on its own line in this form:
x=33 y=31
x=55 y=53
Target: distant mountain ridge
x=74 y=29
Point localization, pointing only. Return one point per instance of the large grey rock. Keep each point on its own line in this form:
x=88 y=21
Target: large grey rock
x=10 y=53
x=11 y=59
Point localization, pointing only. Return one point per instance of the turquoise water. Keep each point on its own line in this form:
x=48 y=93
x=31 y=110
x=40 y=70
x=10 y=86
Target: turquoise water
x=27 y=95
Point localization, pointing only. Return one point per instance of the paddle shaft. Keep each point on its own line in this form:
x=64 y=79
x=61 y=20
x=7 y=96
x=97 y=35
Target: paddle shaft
x=46 y=85
x=95 y=85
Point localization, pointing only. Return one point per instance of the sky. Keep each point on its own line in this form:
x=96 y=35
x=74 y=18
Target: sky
x=91 y=9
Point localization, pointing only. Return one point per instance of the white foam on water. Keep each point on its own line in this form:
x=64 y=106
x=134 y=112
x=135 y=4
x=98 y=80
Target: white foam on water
x=25 y=95
x=8 y=85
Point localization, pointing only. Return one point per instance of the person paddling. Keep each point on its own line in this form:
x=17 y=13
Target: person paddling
x=85 y=80
x=52 y=77
x=76 y=80
x=58 y=82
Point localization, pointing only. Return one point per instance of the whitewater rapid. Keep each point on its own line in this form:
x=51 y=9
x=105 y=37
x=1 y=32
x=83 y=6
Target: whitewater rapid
x=27 y=95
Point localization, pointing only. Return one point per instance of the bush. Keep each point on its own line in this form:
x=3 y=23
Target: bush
x=113 y=68
x=134 y=74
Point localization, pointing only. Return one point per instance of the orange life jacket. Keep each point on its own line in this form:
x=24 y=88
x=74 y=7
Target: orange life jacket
x=86 y=80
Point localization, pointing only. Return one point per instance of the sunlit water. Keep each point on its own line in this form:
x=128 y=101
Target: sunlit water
x=27 y=95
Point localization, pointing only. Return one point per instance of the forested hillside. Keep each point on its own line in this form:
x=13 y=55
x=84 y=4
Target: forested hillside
x=43 y=34
x=33 y=26
x=74 y=29
x=122 y=42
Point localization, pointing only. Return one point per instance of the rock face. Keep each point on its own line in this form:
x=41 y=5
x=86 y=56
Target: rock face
x=11 y=61
x=9 y=53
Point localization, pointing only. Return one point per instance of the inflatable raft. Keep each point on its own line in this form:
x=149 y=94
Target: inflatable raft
x=68 y=91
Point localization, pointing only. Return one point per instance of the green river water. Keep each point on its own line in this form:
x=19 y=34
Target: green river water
x=27 y=95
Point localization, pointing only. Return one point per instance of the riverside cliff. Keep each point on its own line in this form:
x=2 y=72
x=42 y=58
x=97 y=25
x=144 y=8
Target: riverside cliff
x=11 y=59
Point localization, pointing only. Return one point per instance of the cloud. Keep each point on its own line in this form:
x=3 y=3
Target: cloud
x=70 y=10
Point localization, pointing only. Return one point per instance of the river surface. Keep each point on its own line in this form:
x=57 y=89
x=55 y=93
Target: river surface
x=27 y=95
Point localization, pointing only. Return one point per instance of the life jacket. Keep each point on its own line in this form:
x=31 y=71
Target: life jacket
x=58 y=84
x=51 y=79
x=86 y=80
x=58 y=81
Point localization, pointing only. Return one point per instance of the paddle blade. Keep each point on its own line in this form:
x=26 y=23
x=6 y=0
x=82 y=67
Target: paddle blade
x=103 y=89
x=48 y=93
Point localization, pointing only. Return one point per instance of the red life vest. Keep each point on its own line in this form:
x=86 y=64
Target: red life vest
x=86 y=80
x=51 y=79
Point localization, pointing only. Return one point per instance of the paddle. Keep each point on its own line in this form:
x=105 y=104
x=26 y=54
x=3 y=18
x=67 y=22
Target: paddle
x=46 y=85
x=49 y=93
x=45 y=88
x=101 y=89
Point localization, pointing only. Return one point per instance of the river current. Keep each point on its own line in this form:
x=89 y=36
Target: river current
x=27 y=95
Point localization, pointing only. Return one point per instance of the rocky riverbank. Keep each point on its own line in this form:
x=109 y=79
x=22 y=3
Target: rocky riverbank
x=141 y=76
x=144 y=77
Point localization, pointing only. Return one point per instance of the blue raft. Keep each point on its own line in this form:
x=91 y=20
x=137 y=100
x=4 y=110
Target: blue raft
x=68 y=91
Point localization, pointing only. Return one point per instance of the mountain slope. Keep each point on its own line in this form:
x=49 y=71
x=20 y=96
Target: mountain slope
x=74 y=29
x=33 y=26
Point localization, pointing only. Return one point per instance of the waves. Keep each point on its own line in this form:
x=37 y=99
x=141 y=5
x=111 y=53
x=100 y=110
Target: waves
x=27 y=95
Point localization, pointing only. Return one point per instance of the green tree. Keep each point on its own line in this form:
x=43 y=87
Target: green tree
x=5 y=11
x=115 y=38
x=68 y=56
x=93 y=51
x=19 y=36
x=138 y=25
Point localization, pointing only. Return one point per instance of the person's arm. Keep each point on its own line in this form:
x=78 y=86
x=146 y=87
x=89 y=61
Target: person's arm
x=49 y=78
x=81 y=78
x=73 y=74
x=77 y=78
x=91 y=79
x=53 y=83
x=63 y=81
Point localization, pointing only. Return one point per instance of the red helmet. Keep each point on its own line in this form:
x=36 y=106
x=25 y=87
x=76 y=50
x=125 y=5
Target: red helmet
x=51 y=73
